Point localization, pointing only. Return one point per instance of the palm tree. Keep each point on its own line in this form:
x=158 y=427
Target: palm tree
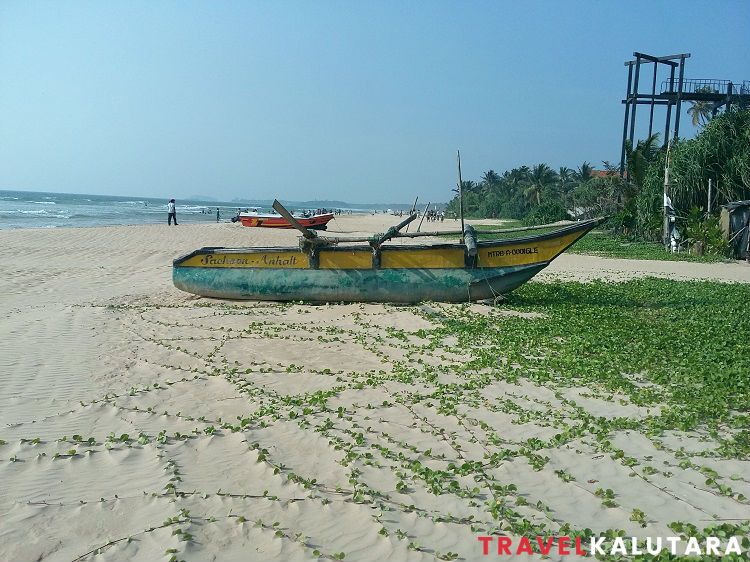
x=490 y=182
x=522 y=172
x=514 y=178
x=541 y=178
x=700 y=111
x=583 y=174
x=638 y=158
x=565 y=182
x=490 y=177
x=565 y=178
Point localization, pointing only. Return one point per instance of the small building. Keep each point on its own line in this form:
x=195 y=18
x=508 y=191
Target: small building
x=735 y=224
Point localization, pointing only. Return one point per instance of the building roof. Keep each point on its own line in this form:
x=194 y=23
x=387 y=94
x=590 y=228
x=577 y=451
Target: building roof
x=735 y=204
x=603 y=174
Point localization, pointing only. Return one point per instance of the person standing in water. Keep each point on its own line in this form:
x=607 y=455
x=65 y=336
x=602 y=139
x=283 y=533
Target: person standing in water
x=218 y=214
x=171 y=213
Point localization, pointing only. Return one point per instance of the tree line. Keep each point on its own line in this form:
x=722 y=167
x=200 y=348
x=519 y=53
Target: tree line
x=539 y=194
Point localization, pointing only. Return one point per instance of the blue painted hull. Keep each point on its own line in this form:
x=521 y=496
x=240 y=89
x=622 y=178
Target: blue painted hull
x=354 y=285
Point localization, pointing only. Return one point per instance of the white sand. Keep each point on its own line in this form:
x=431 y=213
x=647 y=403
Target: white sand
x=95 y=341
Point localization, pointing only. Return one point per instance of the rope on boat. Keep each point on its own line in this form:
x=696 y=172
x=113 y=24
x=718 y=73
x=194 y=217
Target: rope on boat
x=392 y=232
x=495 y=296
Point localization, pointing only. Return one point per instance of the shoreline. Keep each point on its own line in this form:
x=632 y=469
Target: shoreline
x=25 y=209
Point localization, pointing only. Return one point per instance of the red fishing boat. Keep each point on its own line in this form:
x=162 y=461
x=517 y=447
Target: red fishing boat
x=318 y=222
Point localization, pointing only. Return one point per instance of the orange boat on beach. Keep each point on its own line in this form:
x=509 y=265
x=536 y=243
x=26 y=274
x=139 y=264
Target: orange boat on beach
x=318 y=222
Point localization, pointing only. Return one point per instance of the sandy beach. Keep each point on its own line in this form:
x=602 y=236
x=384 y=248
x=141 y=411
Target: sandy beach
x=138 y=422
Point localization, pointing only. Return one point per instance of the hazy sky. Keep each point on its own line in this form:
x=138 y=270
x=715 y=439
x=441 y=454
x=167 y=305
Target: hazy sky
x=353 y=100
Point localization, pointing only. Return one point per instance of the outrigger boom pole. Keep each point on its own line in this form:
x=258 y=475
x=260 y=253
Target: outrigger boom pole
x=279 y=208
x=460 y=195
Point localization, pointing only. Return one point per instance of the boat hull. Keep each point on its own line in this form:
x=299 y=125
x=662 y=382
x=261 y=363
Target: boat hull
x=355 y=285
x=393 y=273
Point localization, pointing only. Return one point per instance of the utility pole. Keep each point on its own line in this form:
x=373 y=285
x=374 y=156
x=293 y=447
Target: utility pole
x=666 y=198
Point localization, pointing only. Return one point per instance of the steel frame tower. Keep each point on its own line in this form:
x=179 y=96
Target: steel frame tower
x=672 y=93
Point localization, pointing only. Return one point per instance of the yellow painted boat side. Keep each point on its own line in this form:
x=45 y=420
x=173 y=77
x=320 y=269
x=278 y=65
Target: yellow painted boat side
x=280 y=260
x=510 y=253
x=347 y=259
x=417 y=258
x=401 y=258
x=525 y=253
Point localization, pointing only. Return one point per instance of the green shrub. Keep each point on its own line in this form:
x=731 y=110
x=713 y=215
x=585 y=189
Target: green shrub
x=706 y=232
x=548 y=211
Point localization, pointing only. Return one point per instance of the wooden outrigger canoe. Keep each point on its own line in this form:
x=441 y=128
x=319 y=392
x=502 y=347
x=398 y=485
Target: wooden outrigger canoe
x=321 y=270
x=277 y=221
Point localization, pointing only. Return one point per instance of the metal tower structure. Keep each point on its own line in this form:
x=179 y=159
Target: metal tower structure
x=673 y=92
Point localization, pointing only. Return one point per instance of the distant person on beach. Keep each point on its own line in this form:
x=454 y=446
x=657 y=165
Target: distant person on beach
x=171 y=213
x=218 y=214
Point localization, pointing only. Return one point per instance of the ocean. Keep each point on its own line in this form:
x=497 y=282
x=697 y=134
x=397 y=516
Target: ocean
x=28 y=209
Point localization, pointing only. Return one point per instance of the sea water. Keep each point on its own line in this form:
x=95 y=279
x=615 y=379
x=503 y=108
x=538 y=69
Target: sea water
x=28 y=209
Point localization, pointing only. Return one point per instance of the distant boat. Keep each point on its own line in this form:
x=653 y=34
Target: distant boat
x=317 y=222
x=322 y=270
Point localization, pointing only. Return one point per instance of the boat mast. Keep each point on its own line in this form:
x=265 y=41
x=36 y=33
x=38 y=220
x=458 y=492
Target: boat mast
x=460 y=195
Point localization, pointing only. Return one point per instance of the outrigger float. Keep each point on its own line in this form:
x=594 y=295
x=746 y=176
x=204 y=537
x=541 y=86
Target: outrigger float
x=327 y=269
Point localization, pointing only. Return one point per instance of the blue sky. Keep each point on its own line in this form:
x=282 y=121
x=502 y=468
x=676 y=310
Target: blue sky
x=359 y=101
